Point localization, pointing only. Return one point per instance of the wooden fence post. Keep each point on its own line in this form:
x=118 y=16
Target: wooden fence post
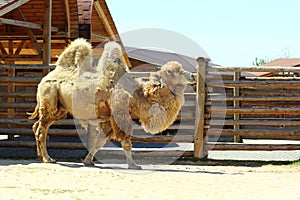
x=47 y=34
x=200 y=108
x=236 y=104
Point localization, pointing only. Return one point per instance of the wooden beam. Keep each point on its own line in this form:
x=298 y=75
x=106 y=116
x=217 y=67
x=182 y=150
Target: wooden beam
x=24 y=24
x=252 y=147
x=12 y=6
x=109 y=30
x=47 y=32
x=236 y=104
x=3 y=49
x=200 y=109
x=253 y=69
x=104 y=20
x=254 y=110
x=67 y=6
x=30 y=34
x=255 y=84
x=20 y=46
x=11 y=73
x=20 y=23
x=26 y=66
x=21 y=57
x=95 y=36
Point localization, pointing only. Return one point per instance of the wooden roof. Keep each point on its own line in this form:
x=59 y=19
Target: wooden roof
x=9 y=5
x=284 y=62
x=23 y=33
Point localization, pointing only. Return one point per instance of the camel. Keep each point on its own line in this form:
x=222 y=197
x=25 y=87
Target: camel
x=104 y=98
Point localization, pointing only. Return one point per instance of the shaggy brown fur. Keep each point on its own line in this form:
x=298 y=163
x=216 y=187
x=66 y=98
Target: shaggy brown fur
x=158 y=101
x=92 y=96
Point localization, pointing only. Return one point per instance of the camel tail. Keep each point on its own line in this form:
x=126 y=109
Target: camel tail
x=35 y=113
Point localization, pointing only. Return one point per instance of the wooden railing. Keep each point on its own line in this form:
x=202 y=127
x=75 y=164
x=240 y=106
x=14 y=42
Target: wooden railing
x=243 y=105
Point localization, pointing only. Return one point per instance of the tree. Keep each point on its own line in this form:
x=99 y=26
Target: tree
x=259 y=61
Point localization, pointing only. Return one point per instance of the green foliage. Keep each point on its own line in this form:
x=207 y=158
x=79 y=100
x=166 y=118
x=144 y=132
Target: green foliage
x=296 y=163
x=259 y=61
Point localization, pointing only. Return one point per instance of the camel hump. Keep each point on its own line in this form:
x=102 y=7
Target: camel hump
x=77 y=55
x=112 y=53
x=112 y=50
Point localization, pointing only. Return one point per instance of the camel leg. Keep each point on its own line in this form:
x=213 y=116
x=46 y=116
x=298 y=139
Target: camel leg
x=96 y=140
x=38 y=149
x=41 y=130
x=127 y=147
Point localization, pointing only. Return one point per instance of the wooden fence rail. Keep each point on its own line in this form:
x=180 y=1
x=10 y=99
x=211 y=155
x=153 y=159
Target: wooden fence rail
x=226 y=103
x=253 y=107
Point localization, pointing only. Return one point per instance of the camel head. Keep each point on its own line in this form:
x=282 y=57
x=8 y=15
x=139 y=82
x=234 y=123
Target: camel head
x=173 y=74
x=174 y=77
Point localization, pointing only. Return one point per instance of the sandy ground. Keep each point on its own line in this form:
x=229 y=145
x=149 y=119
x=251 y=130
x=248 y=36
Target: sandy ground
x=29 y=179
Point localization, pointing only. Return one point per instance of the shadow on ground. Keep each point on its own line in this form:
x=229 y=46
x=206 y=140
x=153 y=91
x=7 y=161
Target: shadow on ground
x=78 y=155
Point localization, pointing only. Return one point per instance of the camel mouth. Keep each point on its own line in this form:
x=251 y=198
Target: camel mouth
x=191 y=78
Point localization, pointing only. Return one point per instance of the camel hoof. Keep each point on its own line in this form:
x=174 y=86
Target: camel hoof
x=49 y=160
x=88 y=164
x=136 y=167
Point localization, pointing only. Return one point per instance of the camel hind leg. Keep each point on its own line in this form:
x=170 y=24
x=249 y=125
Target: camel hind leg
x=96 y=140
x=38 y=148
x=49 y=113
x=40 y=129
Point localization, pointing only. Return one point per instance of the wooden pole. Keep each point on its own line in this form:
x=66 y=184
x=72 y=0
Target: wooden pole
x=200 y=106
x=236 y=104
x=11 y=88
x=47 y=33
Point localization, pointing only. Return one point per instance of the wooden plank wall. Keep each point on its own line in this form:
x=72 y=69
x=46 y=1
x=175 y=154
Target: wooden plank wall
x=240 y=107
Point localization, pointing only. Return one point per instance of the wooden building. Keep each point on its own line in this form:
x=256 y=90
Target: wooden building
x=36 y=31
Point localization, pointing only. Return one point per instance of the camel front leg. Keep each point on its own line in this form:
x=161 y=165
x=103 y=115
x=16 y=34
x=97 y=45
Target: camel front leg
x=127 y=147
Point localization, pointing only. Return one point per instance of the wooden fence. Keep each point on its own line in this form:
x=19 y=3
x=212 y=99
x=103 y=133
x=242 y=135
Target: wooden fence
x=229 y=105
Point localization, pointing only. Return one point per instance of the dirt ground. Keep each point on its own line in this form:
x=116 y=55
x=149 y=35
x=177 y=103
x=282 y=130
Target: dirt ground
x=30 y=179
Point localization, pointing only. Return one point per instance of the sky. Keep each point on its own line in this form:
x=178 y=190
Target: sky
x=232 y=32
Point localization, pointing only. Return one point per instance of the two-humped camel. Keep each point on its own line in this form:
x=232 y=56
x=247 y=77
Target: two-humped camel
x=103 y=98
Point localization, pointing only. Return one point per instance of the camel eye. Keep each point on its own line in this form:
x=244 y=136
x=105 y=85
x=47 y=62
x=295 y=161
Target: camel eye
x=169 y=71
